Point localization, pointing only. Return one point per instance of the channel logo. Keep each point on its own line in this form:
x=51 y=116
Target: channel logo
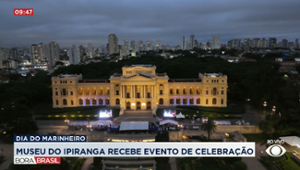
x=36 y=160
x=275 y=150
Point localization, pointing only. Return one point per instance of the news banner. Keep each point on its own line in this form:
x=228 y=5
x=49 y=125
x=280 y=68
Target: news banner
x=48 y=149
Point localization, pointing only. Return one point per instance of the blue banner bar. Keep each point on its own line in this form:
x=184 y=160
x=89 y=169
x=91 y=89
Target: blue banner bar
x=50 y=138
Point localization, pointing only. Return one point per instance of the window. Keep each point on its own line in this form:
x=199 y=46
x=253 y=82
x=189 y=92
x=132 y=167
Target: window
x=80 y=101
x=87 y=101
x=56 y=102
x=160 y=92
x=107 y=102
x=117 y=92
x=222 y=101
x=148 y=95
x=191 y=101
x=177 y=91
x=214 y=92
x=198 y=101
x=94 y=102
x=107 y=91
x=138 y=95
x=71 y=93
x=184 y=101
x=214 y=101
x=55 y=81
x=65 y=102
x=178 y=101
x=222 y=92
x=64 y=92
x=207 y=81
x=100 y=102
x=171 y=91
x=191 y=91
x=127 y=95
x=206 y=91
x=222 y=80
x=161 y=101
x=117 y=101
x=60 y=82
x=206 y=101
x=70 y=81
x=72 y=103
x=198 y=91
x=171 y=101
x=56 y=93
x=160 y=85
x=184 y=92
x=117 y=85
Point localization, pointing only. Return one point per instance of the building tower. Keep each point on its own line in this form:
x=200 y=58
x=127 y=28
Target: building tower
x=73 y=54
x=216 y=42
x=113 y=46
x=183 y=45
x=192 y=42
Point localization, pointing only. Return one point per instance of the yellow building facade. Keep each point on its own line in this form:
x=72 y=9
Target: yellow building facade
x=139 y=87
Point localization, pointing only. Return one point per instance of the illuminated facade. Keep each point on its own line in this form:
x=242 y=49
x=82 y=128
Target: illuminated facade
x=139 y=87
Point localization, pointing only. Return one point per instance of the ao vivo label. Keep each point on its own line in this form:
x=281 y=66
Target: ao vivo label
x=37 y=160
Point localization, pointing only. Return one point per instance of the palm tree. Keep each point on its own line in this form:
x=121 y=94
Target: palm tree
x=209 y=126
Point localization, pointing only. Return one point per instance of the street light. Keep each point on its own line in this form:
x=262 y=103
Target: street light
x=274 y=109
x=265 y=105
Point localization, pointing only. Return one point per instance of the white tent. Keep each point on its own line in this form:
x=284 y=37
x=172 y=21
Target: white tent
x=134 y=126
x=180 y=115
x=168 y=121
x=100 y=122
x=291 y=140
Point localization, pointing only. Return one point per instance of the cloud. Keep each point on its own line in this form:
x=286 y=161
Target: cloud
x=80 y=22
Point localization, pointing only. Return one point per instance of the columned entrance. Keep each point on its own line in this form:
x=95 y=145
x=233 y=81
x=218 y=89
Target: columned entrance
x=128 y=106
x=148 y=105
x=138 y=106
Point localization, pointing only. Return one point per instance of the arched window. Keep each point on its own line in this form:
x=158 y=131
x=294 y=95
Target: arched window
x=171 y=91
x=64 y=92
x=214 y=101
x=87 y=101
x=106 y=101
x=191 y=91
x=192 y=101
x=206 y=101
x=100 y=102
x=214 y=92
x=185 y=101
x=80 y=101
x=178 y=101
x=184 y=92
x=161 y=101
x=71 y=93
x=222 y=101
x=94 y=102
x=198 y=101
x=171 y=101
x=56 y=102
x=160 y=85
x=117 y=101
x=222 y=92
x=117 y=85
x=177 y=91
x=206 y=91
x=65 y=102
x=72 y=103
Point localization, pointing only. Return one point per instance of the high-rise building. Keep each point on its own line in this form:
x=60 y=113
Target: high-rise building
x=113 y=44
x=284 y=43
x=255 y=42
x=216 y=42
x=192 y=42
x=208 y=45
x=157 y=45
x=296 y=43
x=234 y=44
x=246 y=43
x=263 y=43
x=33 y=54
x=290 y=44
x=149 y=45
x=90 y=51
x=183 y=45
x=272 y=42
x=73 y=54
x=132 y=45
x=52 y=54
x=196 y=44
x=141 y=45
x=42 y=52
x=1 y=58
x=81 y=50
x=126 y=43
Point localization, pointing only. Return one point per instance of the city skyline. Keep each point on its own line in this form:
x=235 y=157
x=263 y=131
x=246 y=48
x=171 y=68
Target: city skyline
x=91 y=22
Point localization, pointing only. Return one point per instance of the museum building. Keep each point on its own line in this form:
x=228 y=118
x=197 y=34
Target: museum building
x=139 y=87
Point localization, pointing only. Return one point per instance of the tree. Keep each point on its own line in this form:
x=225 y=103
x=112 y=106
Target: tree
x=162 y=162
x=265 y=127
x=97 y=162
x=239 y=165
x=59 y=63
x=209 y=126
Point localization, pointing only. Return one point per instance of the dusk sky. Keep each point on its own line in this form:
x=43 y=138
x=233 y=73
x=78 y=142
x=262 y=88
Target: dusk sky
x=78 y=22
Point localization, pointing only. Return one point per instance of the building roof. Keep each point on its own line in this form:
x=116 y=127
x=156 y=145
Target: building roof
x=184 y=80
x=94 y=81
x=134 y=126
x=291 y=140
